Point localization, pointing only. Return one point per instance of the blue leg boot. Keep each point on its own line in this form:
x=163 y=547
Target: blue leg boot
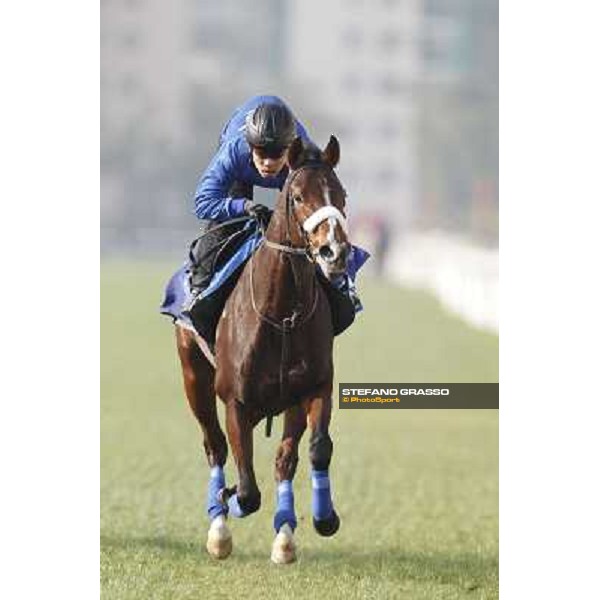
x=325 y=519
x=285 y=506
x=214 y=506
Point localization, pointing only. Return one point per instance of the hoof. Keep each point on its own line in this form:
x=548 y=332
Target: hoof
x=327 y=527
x=219 y=542
x=284 y=547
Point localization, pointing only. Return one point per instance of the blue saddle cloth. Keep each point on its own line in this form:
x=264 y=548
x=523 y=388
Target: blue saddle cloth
x=178 y=295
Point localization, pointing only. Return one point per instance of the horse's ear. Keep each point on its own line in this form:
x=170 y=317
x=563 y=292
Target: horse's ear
x=331 y=155
x=294 y=156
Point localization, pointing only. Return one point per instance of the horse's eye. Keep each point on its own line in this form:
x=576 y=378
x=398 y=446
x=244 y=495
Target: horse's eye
x=297 y=198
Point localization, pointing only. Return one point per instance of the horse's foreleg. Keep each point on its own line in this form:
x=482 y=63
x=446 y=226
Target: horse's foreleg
x=284 y=548
x=286 y=462
x=198 y=380
x=245 y=499
x=325 y=519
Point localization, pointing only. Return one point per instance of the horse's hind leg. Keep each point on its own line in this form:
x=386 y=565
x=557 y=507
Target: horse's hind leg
x=284 y=548
x=325 y=519
x=198 y=379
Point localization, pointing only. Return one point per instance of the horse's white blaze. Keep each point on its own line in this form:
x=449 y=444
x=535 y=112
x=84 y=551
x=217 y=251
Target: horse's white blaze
x=284 y=547
x=330 y=220
x=331 y=233
x=219 y=542
x=326 y=192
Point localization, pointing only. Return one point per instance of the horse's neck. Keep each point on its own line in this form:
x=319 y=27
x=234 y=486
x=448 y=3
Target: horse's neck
x=286 y=280
x=277 y=231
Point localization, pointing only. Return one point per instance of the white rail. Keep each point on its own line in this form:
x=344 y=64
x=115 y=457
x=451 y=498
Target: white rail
x=462 y=275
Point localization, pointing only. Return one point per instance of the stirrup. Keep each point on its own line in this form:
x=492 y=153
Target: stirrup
x=355 y=301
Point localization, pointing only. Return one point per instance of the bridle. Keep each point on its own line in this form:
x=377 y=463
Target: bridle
x=296 y=318
x=309 y=224
x=305 y=251
x=304 y=228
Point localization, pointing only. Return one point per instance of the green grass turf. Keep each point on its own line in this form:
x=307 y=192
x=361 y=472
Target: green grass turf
x=417 y=491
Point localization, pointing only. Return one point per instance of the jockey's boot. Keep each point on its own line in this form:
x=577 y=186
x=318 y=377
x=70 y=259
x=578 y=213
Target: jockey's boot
x=343 y=301
x=344 y=284
x=202 y=258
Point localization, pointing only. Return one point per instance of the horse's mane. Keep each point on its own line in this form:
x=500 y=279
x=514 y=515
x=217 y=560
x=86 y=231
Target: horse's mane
x=313 y=156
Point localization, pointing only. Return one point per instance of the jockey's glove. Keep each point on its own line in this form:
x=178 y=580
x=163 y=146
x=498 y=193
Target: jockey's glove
x=260 y=212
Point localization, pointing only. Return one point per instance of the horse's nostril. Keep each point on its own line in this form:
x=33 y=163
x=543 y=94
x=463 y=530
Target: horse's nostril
x=326 y=252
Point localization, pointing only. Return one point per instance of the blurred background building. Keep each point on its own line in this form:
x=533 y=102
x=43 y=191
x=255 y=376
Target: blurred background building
x=410 y=88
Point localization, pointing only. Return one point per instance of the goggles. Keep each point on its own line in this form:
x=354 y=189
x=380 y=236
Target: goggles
x=270 y=151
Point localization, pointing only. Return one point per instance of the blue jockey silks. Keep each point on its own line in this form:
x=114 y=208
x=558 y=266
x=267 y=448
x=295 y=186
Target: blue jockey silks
x=215 y=484
x=285 y=506
x=322 y=507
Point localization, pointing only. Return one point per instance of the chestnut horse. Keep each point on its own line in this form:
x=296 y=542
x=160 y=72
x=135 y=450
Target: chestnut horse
x=273 y=354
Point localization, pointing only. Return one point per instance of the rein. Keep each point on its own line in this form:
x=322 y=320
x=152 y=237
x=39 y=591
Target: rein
x=287 y=323
x=287 y=249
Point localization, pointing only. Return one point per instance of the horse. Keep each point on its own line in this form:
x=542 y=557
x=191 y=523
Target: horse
x=274 y=354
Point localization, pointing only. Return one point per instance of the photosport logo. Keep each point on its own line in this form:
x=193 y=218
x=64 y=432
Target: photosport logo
x=419 y=395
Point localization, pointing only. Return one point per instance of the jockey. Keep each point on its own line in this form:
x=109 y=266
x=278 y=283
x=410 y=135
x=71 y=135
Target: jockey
x=252 y=152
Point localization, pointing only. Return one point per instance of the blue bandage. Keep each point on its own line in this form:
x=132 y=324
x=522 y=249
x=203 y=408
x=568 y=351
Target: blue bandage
x=322 y=507
x=215 y=484
x=285 y=506
x=234 y=507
